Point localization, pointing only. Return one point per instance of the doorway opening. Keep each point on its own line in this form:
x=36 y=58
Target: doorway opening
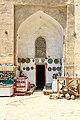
x=40 y=76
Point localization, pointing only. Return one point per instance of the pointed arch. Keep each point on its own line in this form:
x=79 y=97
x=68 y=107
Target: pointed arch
x=40 y=24
x=40 y=17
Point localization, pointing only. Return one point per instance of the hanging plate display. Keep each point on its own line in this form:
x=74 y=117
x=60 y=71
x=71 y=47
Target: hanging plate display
x=23 y=68
x=23 y=60
x=49 y=68
x=54 y=68
x=50 y=61
x=32 y=68
x=27 y=60
x=56 y=61
x=42 y=60
x=27 y=68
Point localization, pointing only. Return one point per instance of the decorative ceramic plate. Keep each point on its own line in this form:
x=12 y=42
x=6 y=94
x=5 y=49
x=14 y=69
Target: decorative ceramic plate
x=37 y=60
x=49 y=68
x=54 y=68
x=32 y=68
x=27 y=68
x=27 y=60
x=50 y=61
x=23 y=60
x=24 y=68
x=58 y=68
x=56 y=61
x=42 y=60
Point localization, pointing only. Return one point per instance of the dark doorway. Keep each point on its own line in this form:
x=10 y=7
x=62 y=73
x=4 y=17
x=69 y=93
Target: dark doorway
x=40 y=76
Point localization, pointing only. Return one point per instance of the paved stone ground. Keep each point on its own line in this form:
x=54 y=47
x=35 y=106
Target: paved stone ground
x=38 y=107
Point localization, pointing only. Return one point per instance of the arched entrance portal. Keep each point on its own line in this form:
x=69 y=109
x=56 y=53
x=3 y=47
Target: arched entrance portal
x=41 y=39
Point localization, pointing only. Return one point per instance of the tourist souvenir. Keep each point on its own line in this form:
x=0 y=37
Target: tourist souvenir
x=54 y=68
x=32 y=68
x=42 y=60
x=23 y=68
x=27 y=68
x=27 y=60
x=49 y=68
x=37 y=60
x=58 y=68
x=23 y=60
x=56 y=61
x=50 y=60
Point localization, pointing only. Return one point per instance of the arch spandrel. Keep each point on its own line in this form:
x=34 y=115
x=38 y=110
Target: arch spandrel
x=40 y=16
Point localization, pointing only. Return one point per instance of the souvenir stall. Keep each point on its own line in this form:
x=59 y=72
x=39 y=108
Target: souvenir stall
x=6 y=80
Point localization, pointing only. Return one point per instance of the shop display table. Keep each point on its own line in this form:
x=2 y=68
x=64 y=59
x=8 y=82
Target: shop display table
x=20 y=86
x=6 y=90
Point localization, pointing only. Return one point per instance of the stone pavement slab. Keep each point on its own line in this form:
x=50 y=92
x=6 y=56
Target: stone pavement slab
x=38 y=107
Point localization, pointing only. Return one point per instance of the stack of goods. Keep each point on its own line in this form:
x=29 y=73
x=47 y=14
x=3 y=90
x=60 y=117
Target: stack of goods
x=6 y=77
x=20 y=86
